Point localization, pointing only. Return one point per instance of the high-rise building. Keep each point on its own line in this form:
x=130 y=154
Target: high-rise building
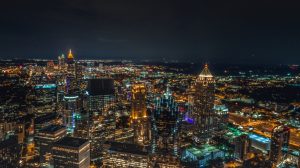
x=126 y=155
x=242 y=147
x=221 y=112
x=279 y=144
x=102 y=122
x=203 y=112
x=71 y=152
x=61 y=62
x=44 y=121
x=70 y=58
x=72 y=109
x=165 y=125
x=46 y=138
x=71 y=80
x=101 y=95
x=139 y=116
x=43 y=98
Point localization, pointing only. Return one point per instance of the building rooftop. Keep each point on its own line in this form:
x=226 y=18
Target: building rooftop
x=259 y=138
x=204 y=150
x=45 y=86
x=45 y=118
x=205 y=72
x=10 y=142
x=127 y=148
x=71 y=142
x=101 y=86
x=52 y=129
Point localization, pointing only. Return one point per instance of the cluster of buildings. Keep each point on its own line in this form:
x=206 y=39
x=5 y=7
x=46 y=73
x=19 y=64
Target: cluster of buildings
x=85 y=114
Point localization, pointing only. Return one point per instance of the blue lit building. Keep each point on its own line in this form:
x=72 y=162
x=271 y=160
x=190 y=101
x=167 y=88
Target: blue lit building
x=165 y=124
x=44 y=98
x=72 y=108
x=201 y=155
x=259 y=142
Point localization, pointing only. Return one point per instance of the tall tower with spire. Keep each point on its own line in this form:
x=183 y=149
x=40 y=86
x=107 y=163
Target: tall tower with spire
x=70 y=58
x=139 y=117
x=203 y=112
x=71 y=73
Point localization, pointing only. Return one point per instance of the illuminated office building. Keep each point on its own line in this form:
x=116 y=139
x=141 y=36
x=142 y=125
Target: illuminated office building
x=126 y=155
x=279 y=144
x=44 y=121
x=72 y=111
x=101 y=95
x=203 y=112
x=71 y=152
x=45 y=139
x=43 y=98
x=139 y=116
x=72 y=83
x=242 y=147
x=70 y=63
x=201 y=155
x=165 y=125
x=61 y=62
x=260 y=143
x=221 y=112
x=50 y=66
x=102 y=121
x=78 y=72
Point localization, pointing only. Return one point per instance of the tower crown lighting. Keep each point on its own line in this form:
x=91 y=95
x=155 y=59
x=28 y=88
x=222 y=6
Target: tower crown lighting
x=70 y=55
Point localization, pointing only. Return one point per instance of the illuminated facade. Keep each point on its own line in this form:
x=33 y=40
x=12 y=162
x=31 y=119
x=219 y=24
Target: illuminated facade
x=61 y=62
x=165 y=125
x=43 y=98
x=242 y=147
x=46 y=138
x=203 y=112
x=260 y=143
x=279 y=144
x=126 y=155
x=72 y=106
x=201 y=155
x=71 y=152
x=71 y=78
x=139 y=116
x=100 y=107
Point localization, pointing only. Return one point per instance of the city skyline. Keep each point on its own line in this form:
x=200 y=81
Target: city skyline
x=149 y=84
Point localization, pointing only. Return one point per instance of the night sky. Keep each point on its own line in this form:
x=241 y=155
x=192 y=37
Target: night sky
x=223 y=31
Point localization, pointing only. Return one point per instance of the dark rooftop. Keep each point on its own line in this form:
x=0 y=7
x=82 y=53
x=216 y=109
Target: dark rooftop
x=71 y=142
x=52 y=128
x=127 y=148
x=45 y=118
x=102 y=86
x=11 y=142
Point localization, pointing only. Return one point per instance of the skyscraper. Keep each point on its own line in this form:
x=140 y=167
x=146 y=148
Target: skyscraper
x=203 y=112
x=101 y=95
x=71 y=152
x=61 y=62
x=71 y=81
x=279 y=144
x=139 y=116
x=165 y=124
x=102 y=123
x=126 y=155
x=46 y=138
x=242 y=147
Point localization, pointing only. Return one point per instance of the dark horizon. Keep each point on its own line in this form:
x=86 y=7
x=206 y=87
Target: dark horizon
x=248 y=32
